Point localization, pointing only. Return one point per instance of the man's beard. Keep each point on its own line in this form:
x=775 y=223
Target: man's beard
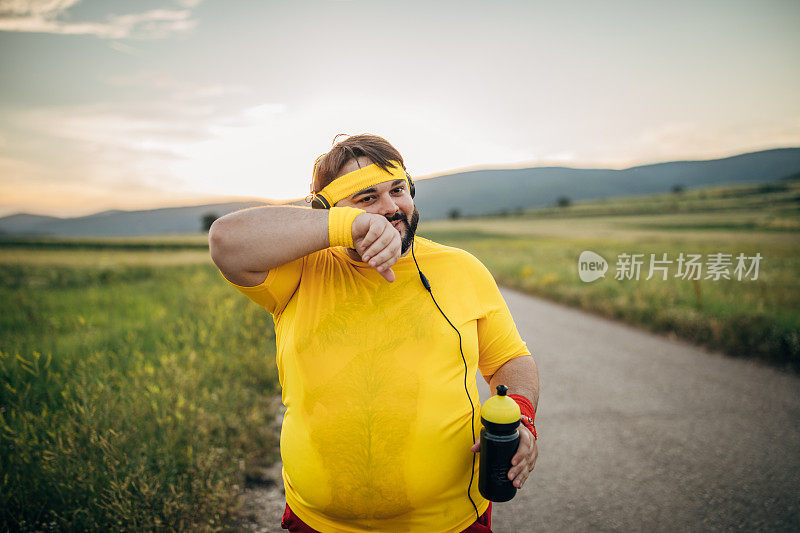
x=411 y=228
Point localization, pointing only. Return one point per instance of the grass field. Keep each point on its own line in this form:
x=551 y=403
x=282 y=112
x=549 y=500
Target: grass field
x=538 y=251
x=134 y=395
x=136 y=383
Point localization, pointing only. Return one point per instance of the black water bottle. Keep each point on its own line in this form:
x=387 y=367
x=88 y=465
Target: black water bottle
x=499 y=442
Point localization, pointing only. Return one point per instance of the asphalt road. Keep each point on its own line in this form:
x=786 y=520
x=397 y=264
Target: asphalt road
x=639 y=432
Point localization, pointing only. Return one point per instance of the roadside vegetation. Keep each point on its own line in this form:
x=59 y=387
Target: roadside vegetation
x=133 y=396
x=537 y=252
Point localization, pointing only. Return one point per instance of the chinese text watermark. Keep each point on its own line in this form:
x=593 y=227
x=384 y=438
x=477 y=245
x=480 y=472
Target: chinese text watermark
x=686 y=266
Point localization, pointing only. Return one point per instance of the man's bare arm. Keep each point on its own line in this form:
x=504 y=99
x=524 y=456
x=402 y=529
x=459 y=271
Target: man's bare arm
x=521 y=377
x=247 y=243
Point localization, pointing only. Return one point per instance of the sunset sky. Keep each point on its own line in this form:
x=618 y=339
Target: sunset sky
x=129 y=105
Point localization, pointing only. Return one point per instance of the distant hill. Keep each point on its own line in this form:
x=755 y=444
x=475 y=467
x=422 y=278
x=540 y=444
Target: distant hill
x=114 y=222
x=23 y=223
x=480 y=192
x=476 y=192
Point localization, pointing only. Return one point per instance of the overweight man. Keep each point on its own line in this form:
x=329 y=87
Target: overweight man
x=379 y=335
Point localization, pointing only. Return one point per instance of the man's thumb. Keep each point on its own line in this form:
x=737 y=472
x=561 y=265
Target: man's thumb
x=477 y=446
x=388 y=274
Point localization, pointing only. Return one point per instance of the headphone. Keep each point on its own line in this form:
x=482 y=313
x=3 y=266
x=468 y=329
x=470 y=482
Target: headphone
x=319 y=202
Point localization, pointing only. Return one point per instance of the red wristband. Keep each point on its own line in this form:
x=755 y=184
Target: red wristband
x=527 y=411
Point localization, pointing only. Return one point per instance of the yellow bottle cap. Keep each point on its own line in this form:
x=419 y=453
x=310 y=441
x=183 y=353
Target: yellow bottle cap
x=500 y=409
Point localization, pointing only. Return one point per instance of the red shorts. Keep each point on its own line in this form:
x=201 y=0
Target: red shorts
x=291 y=522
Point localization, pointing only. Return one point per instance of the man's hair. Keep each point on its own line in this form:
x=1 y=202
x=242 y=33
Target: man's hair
x=376 y=149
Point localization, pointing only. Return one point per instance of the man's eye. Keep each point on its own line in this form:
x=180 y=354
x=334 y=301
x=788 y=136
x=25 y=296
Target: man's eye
x=399 y=189
x=366 y=198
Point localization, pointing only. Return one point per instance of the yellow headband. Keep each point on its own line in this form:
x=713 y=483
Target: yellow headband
x=364 y=177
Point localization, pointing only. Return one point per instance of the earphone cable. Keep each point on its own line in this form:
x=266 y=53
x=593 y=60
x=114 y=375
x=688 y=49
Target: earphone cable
x=427 y=286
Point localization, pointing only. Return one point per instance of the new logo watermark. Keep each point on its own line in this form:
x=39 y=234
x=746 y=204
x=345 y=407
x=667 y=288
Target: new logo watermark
x=716 y=266
x=591 y=266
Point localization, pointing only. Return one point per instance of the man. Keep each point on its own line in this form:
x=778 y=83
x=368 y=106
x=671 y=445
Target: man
x=376 y=369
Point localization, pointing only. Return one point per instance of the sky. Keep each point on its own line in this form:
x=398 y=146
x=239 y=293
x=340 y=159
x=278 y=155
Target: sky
x=108 y=104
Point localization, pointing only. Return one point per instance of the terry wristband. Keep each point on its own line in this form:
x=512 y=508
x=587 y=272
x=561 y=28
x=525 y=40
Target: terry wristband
x=340 y=225
x=527 y=411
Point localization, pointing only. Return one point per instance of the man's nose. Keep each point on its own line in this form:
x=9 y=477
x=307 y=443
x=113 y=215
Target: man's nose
x=387 y=206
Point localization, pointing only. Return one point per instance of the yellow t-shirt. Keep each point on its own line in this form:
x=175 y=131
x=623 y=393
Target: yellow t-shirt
x=377 y=433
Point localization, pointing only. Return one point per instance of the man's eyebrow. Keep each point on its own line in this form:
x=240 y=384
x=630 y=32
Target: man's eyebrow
x=373 y=190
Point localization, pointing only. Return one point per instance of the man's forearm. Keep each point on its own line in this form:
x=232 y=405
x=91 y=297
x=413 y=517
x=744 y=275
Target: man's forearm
x=521 y=376
x=262 y=238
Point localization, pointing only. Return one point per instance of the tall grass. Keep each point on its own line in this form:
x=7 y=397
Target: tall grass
x=749 y=318
x=131 y=397
x=538 y=251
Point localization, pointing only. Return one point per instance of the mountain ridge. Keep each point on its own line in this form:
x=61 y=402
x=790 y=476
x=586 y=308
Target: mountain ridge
x=472 y=192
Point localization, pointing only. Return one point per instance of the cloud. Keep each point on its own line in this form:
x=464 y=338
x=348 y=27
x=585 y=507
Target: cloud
x=18 y=171
x=124 y=48
x=174 y=89
x=267 y=149
x=101 y=150
x=695 y=140
x=40 y=8
x=150 y=131
x=46 y=16
x=103 y=145
x=30 y=187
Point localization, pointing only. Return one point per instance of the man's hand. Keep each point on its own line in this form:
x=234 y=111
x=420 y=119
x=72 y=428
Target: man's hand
x=377 y=242
x=523 y=461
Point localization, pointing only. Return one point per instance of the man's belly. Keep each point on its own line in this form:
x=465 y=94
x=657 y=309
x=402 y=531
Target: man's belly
x=378 y=460
x=377 y=422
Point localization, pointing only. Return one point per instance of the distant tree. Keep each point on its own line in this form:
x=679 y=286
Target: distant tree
x=677 y=188
x=790 y=177
x=773 y=187
x=454 y=213
x=563 y=201
x=207 y=219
